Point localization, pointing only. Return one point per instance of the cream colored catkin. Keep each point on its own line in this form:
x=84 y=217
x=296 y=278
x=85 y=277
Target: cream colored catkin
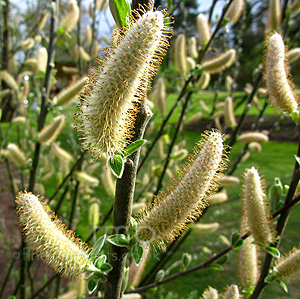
x=229 y=116
x=253 y=137
x=58 y=247
x=42 y=59
x=180 y=54
x=220 y=62
x=88 y=34
x=108 y=181
x=203 y=29
x=293 y=55
x=205 y=228
x=186 y=195
x=161 y=96
x=274 y=16
x=235 y=10
x=50 y=132
x=9 y=80
x=210 y=293
x=281 y=93
x=71 y=18
x=256 y=209
x=65 y=96
x=15 y=155
x=288 y=266
x=203 y=81
x=192 y=47
x=232 y=292
x=83 y=54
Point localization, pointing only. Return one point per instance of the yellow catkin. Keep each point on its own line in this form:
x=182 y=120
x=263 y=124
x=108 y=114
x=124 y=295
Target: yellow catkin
x=15 y=155
x=50 y=132
x=228 y=83
x=232 y=292
x=18 y=120
x=293 y=55
x=136 y=271
x=253 y=137
x=229 y=181
x=185 y=197
x=83 y=54
x=4 y=93
x=58 y=247
x=87 y=179
x=281 y=93
x=108 y=181
x=107 y=113
x=88 y=33
x=288 y=266
x=194 y=119
x=205 y=228
x=218 y=198
x=248 y=268
x=161 y=96
x=256 y=209
x=9 y=80
x=235 y=11
x=42 y=59
x=203 y=29
x=203 y=81
x=68 y=94
x=229 y=116
x=180 y=54
x=274 y=16
x=220 y=62
x=192 y=47
x=191 y=63
x=210 y=293
x=71 y=18
x=70 y=70
x=43 y=21
x=61 y=153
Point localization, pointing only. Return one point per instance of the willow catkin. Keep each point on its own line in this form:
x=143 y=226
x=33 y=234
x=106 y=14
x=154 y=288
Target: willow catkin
x=49 y=238
x=9 y=80
x=71 y=18
x=15 y=155
x=83 y=54
x=220 y=62
x=253 y=137
x=293 y=55
x=210 y=293
x=203 y=29
x=183 y=200
x=42 y=59
x=229 y=116
x=192 y=47
x=256 y=209
x=281 y=93
x=180 y=54
x=205 y=228
x=50 y=132
x=107 y=113
x=161 y=96
x=235 y=10
x=232 y=292
x=274 y=16
x=88 y=34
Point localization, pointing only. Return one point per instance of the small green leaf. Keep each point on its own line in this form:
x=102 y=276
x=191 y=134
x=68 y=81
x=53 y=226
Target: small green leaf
x=134 y=146
x=117 y=166
x=273 y=251
x=125 y=279
x=11 y=297
x=133 y=222
x=270 y=278
x=216 y=266
x=222 y=260
x=118 y=240
x=60 y=30
x=160 y=275
x=186 y=260
x=98 y=246
x=92 y=285
x=137 y=253
x=100 y=261
x=120 y=10
x=235 y=238
x=89 y=276
x=283 y=285
x=238 y=244
x=106 y=267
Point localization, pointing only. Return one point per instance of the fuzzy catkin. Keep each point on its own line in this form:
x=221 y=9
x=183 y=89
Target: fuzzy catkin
x=50 y=132
x=9 y=80
x=288 y=267
x=229 y=116
x=274 y=16
x=220 y=62
x=55 y=245
x=181 y=54
x=71 y=18
x=293 y=55
x=232 y=292
x=107 y=113
x=15 y=155
x=235 y=10
x=256 y=210
x=183 y=200
x=203 y=29
x=281 y=93
x=42 y=59
x=210 y=293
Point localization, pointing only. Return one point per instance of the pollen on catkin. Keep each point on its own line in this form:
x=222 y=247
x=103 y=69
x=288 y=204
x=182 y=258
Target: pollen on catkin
x=256 y=209
x=57 y=246
x=281 y=90
x=183 y=200
x=288 y=266
x=109 y=103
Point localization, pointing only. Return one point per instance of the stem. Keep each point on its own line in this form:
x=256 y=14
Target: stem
x=7 y=277
x=282 y=221
x=44 y=286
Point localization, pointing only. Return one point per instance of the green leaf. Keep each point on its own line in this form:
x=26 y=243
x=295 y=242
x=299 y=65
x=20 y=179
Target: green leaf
x=160 y=275
x=125 y=279
x=120 y=10
x=273 y=251
x=270 y=278
x=89 y=276
x=118 y=240
x=98 y=246
x=134 y=146
x=235 y=238
x=11 y=297
x=117 y=166
x=100 y=261
x=137 y=253
x=106 y=267
x=216 y=266
x=297 y=159
x=186 y=259
x=133 y=222
x=283 y=285
x=238 y=244
x=92 y=285
x=222 y=260
x=60 y=30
